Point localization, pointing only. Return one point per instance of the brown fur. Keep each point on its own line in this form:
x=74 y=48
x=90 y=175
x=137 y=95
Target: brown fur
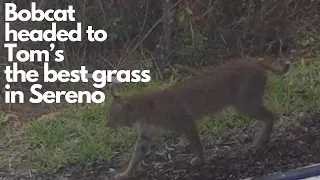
x=239 y=84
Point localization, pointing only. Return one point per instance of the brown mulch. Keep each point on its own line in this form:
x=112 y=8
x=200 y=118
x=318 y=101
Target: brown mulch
x=293 y=145
x=230 y=157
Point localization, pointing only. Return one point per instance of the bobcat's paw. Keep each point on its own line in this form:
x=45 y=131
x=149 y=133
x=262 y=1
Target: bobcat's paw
x=196 y=161
x=121 y=176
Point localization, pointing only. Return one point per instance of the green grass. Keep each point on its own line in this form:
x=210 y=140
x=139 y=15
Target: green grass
x=77 y=135
x=81 y=134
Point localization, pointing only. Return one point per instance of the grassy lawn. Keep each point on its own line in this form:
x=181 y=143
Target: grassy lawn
x=81 y=134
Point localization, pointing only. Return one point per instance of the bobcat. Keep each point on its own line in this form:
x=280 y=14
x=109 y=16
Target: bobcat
x=239 y=84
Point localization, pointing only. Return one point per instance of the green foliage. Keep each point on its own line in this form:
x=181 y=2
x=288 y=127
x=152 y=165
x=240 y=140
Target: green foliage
x=1 y=119
x=77 y=135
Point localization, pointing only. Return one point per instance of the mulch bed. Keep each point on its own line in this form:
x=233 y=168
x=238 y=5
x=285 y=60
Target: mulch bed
x=293 y=145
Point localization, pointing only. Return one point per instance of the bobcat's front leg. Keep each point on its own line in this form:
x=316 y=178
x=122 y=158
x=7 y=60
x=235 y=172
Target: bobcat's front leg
x=142 y=147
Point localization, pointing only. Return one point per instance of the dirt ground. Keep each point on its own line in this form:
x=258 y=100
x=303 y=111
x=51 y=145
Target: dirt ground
x=293 y=145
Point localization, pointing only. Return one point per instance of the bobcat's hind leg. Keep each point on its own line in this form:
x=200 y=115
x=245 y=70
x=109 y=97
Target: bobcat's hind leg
x=260 y=112
x=191 y=134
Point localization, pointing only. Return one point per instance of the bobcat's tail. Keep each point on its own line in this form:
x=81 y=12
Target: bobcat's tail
x=277 y=69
